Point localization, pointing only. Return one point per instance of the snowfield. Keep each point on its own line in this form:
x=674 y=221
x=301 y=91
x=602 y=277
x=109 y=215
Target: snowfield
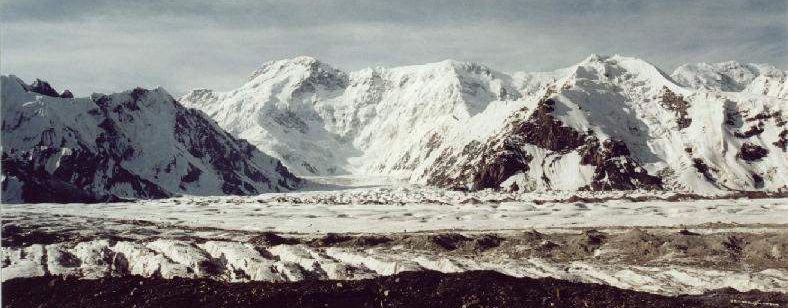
x=381 y=210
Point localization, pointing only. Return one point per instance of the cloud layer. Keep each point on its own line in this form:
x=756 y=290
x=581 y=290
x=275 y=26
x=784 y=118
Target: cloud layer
x=105 y=46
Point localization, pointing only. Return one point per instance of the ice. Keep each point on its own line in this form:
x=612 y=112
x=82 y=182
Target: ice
x=237 y=261
x=184 y=253
x=136 y=259
x=243 y=262
x=23 y=262
x=411 y=210
x=95 y=257
x=380 y=263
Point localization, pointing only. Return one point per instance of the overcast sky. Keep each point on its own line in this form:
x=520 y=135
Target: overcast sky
x=98 y=46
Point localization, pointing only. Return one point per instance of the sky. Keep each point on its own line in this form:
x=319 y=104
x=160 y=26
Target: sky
x=108 y=46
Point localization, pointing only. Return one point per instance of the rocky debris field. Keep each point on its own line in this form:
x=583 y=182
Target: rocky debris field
x=408 y=289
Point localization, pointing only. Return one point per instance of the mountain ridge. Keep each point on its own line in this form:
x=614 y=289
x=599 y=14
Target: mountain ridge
x=399 y=121
x=134 y=144
x=605 y=123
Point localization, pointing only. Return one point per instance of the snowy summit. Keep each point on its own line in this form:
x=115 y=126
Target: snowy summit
x=608 y=122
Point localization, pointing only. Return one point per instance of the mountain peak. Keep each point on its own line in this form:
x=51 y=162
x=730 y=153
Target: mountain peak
x=38 y=86
x=299 y=75
x=298 y=64
x=610 y=67
x=458 y=65
x=615 y=59
x=42 y=87
x=304 y=60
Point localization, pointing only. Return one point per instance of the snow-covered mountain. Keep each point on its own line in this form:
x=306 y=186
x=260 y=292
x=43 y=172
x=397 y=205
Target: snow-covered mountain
x=605 y=123
x=321 y=121
x=621 y=123
x=759 y=79
x=136 y=144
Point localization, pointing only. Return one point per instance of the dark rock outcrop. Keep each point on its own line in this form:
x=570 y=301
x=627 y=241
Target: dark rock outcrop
x=615 y=169
x=704 y=169
x=67 y=94
x=752 y=131
x=752 y=152
x=782 y=142
x=42 y=87
x=489 y=164
x=678 y=105
x=545 y=131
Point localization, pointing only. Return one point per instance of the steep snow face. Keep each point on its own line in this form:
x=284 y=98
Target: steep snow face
x=760 y=79
x=276 y=112
x=136 y=144
x=321 y=121
x=607 y=123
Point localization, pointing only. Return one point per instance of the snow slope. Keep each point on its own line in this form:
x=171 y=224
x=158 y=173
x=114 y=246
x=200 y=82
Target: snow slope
x=607 y=123
x=136 y=144
x=321 y=121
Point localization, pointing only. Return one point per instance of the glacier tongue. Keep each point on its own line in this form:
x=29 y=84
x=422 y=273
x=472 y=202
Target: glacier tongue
x=620 y=121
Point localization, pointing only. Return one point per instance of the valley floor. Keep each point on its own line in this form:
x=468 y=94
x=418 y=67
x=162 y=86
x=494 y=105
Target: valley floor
x=664 y=244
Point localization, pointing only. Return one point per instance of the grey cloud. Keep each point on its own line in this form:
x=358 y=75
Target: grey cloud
x=114 y=45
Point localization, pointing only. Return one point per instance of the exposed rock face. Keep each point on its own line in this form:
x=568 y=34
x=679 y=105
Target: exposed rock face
x=752 y=131
x=544 y=131
x=497 y=161
x=614 y=168
x=611 y=124
x=67 y=94
x=136 y=144
x=704 y=169
x=752 y=152
x=509 y=153
x=40 y=186
x=233 y=164
x=782 y=142
x=677 y=104
x=42 y=87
